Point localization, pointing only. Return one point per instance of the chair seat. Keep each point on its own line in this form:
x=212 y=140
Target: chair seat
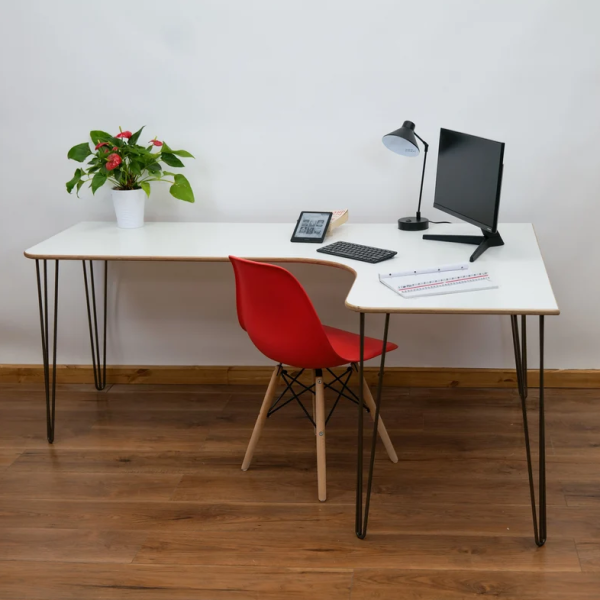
x=347 y=345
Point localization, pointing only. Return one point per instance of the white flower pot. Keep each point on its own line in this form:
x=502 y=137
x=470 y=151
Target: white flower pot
x=129 y=207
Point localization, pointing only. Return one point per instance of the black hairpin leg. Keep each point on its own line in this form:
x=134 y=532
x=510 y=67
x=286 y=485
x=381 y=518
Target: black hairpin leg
x=520 y=346
x=362 y=520
x=98 y=361
x=49 y=380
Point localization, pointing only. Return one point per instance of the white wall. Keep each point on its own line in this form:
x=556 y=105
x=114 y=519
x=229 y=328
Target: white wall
x=283 y=103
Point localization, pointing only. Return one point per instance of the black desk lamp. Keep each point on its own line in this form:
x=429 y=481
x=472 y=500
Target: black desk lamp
x=403 y=141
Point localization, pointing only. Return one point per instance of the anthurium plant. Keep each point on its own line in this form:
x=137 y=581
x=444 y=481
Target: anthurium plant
x=126 y=165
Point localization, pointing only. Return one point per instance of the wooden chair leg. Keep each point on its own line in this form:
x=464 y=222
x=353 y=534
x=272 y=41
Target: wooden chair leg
x=383 y=434
x=262 y=417
x=314 y=411
x=320 y=421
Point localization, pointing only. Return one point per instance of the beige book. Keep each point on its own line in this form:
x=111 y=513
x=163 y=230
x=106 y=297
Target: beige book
x=339 y=217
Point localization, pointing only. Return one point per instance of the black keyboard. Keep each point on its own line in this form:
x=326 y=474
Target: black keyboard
x=358 y=252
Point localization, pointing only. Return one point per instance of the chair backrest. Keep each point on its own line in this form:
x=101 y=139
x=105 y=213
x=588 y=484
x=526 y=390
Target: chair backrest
x=279 y=317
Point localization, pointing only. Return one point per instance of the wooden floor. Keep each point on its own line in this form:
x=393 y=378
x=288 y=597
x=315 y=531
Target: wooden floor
x=142 y=497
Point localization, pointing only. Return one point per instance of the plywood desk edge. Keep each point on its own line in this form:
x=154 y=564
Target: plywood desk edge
x=326 y=263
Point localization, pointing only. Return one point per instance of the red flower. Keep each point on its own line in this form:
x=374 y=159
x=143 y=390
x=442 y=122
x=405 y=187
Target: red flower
x=155 y=142
x=115 y=148
x=100 y=144
x=124 y=134
x=114 y=160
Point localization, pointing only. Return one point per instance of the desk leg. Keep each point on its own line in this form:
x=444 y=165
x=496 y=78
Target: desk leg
x=98 y=362
x=362 y=520
x=520 y=347
x=49 y=381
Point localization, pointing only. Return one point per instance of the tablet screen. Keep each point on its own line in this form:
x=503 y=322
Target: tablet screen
x=312 y=226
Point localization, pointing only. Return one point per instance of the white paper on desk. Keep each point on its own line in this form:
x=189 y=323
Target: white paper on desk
x=447 y=279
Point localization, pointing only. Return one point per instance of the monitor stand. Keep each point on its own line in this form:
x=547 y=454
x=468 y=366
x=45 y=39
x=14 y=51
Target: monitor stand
x=483 y=242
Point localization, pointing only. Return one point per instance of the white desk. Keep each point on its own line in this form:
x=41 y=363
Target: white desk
x=517 y=268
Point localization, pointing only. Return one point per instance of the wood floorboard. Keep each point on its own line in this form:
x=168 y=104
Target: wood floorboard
x=393 y=584
x=142 y=497
x=70 y=545
x=582 y=524
x=89 y=486
x=45 y=581
x=404 y=482
x=311 y=547
x=8 y=457
x=589 y=556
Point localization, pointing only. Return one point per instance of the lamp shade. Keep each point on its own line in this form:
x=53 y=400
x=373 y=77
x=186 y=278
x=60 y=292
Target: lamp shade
x=403 y=140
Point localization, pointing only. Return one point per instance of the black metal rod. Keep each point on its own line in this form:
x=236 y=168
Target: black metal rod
x=97 y=340
x=542 y=441
x=49 y=382
x=98 y=359
x=295 y=396
x=337 y=378
x=47 y=374
x=524 y=353
x=359 y=459
x=344 y=395
x=517 y=349
x=365 y=519
x=55 y=343
x=275 y=409
x=422 y=181
x=105 y=320
x=288 y=386
x=305 y=411
x=520 y=348
x=340 y=393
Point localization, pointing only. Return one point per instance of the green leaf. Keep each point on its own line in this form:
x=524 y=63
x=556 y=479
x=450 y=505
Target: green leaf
x=169 y=173
x=79 y=184
x=171 y=159
x=182 y=189
x=154 y=167
x=183 y=153
x=134 y=138
x=135 y=168
x=73 y=182
x=79 y=152
x=100 y=136
x=98 y=181
x=146 y=187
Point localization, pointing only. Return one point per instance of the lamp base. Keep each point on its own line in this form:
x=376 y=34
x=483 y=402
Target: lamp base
x=413 y=224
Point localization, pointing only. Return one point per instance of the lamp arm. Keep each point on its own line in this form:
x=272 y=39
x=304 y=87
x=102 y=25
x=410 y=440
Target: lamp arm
x=422 y=178
x=422 y=141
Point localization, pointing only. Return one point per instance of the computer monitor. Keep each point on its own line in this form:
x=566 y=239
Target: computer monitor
x=468 y=184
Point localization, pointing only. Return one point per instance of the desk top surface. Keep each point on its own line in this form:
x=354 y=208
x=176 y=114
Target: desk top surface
x=517 y=267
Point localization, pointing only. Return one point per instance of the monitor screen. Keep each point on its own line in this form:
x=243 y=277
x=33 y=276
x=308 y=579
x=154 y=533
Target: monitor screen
x=469 y=176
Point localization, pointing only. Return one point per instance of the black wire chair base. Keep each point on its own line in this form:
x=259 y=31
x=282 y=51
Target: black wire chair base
x=98 y=359
x=49 y=372
x=520 y=348
x=294 y=380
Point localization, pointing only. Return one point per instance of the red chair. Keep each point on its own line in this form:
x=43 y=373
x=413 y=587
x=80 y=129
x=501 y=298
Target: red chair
x=275 y=311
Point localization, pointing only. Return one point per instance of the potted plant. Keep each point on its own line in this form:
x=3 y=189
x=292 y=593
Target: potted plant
x=129 y=168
